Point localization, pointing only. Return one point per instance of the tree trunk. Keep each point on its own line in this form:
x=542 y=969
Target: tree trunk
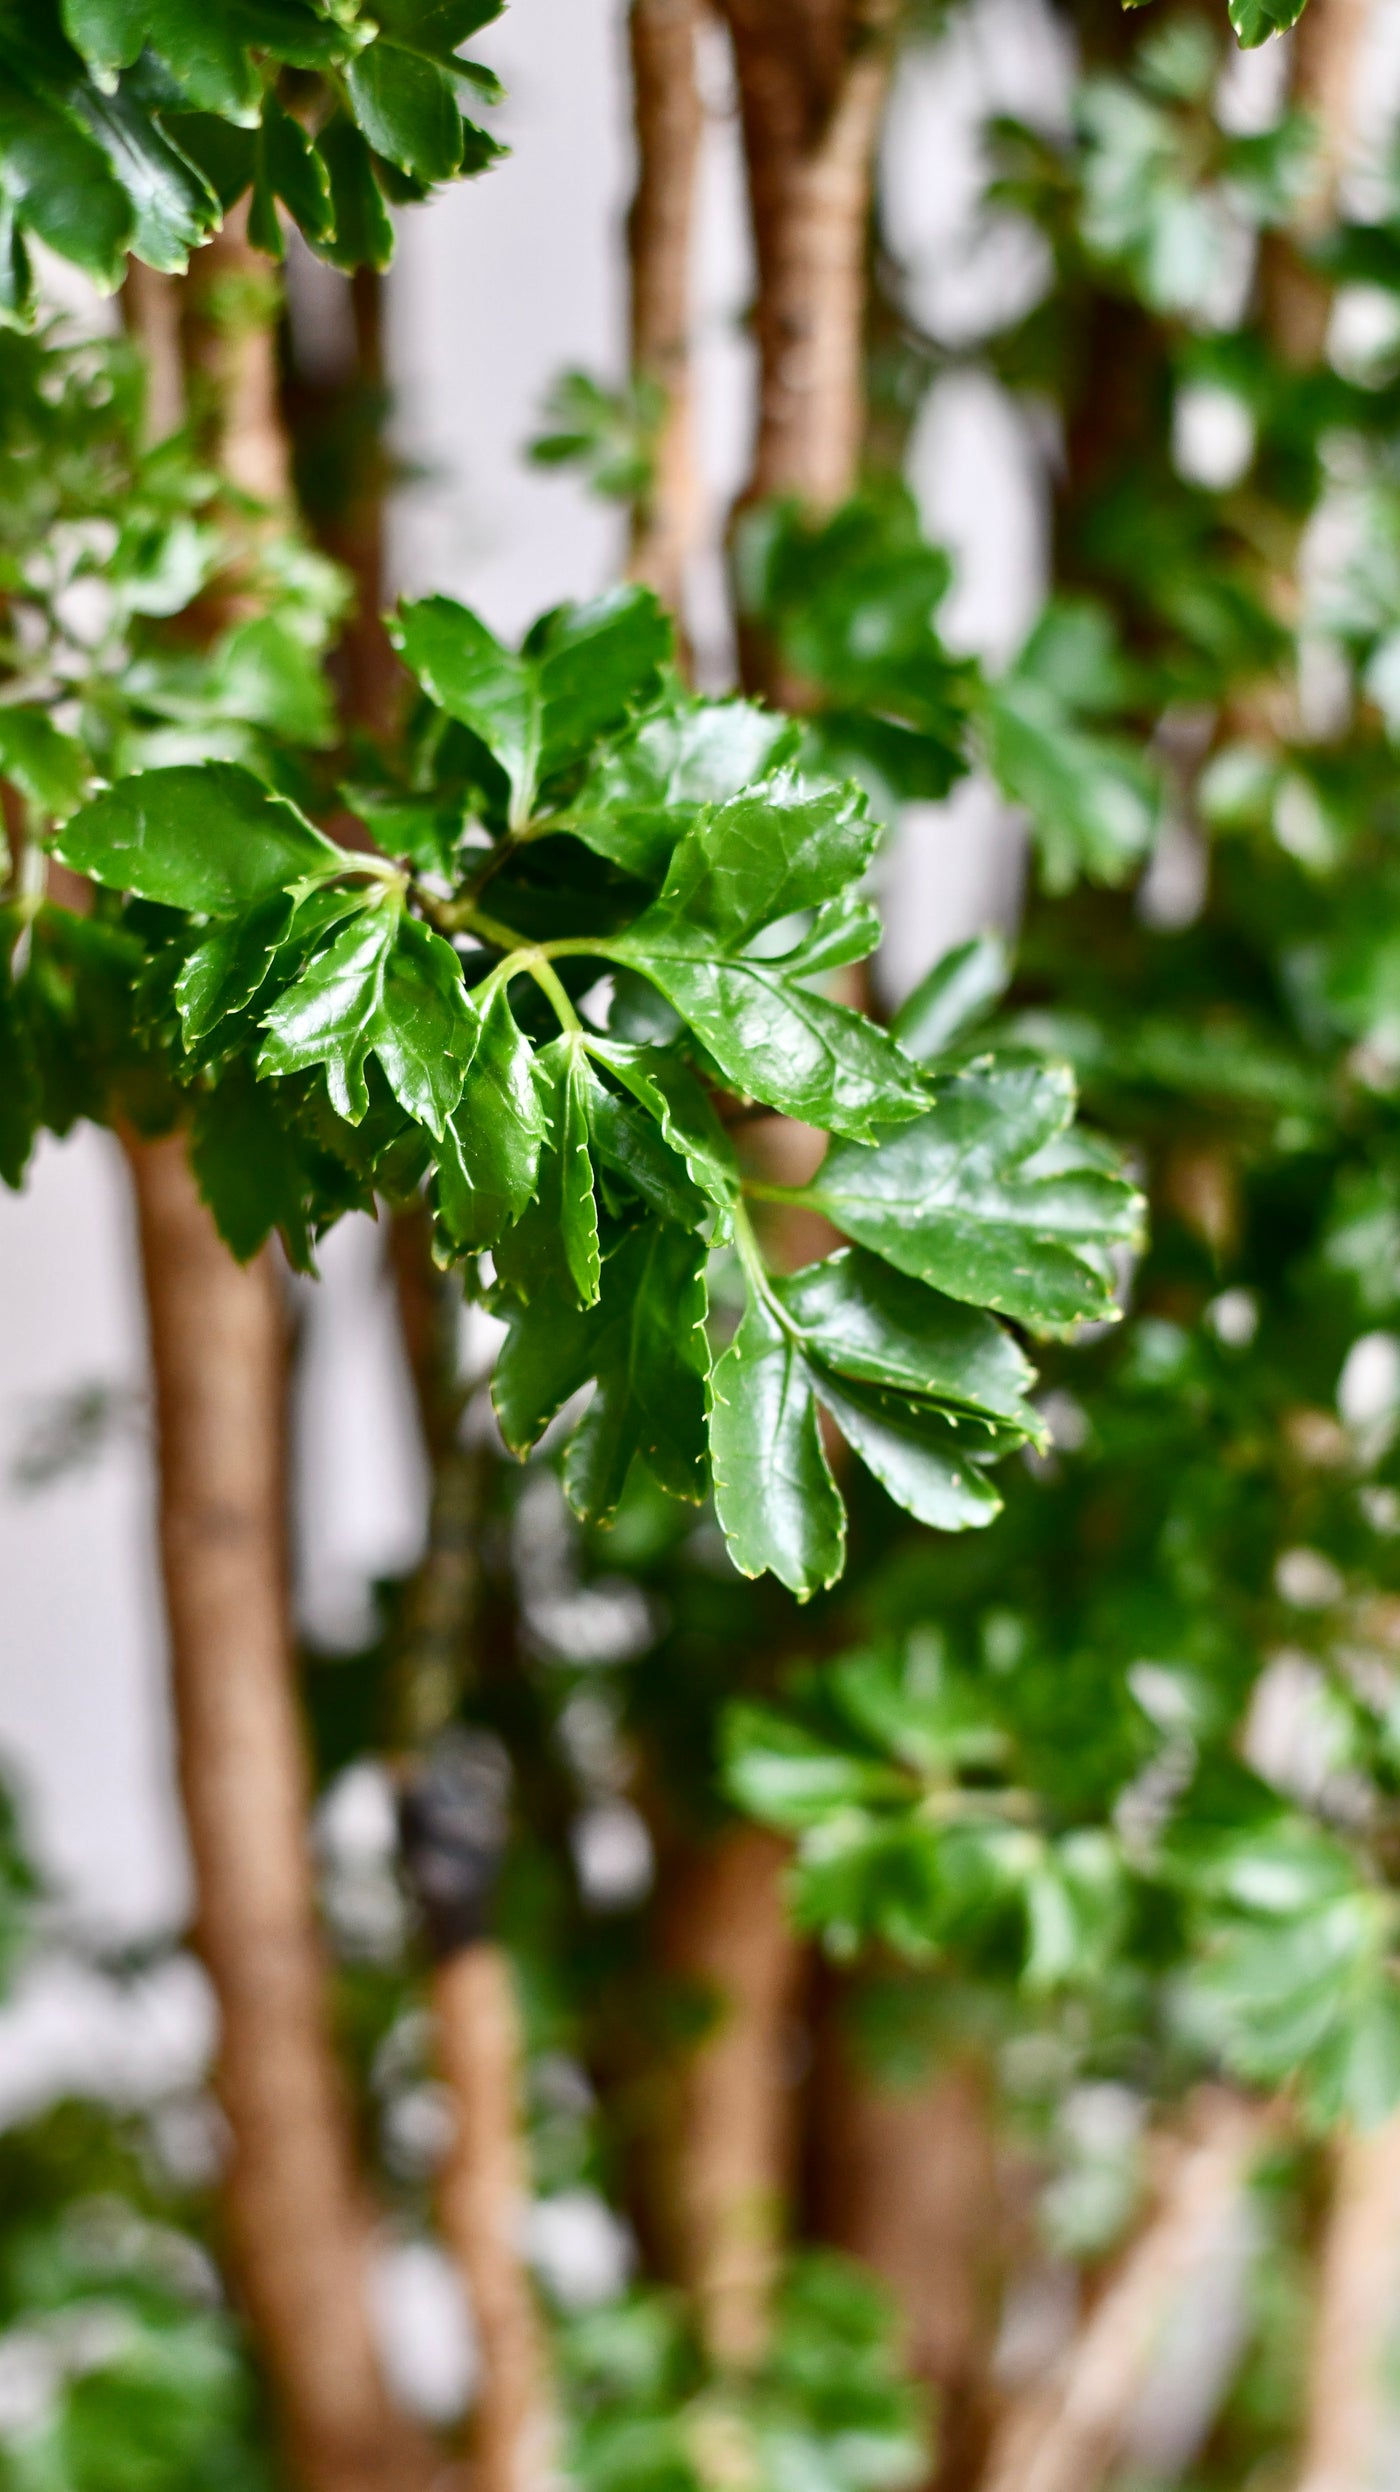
x=298 y=2228
x=727 y=1936
x=1067 y=2435
x=907 y=2181
x=1297 y=298
x=660 y=233
x=812 y=80
x=1352 y=2414
x=484 y=2200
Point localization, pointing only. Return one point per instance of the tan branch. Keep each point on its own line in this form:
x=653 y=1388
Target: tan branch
x=669 y=122
x=298 y=2226
x=1351 y=2408
x=812 y=80
x=728 y=1939
x=1068 y=2434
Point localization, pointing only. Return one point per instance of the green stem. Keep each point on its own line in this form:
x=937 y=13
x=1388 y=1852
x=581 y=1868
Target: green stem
x=545 y=979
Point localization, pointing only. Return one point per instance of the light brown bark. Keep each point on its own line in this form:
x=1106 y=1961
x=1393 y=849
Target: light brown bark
x=1353 y=2415
x=728 y=1939
x=1297 y=299
x=669 y=122
x=298 y=2226
x=483 y=2197
x=229 y=342
x=812 y=79
x=908 y=2182
x=1066 y=2435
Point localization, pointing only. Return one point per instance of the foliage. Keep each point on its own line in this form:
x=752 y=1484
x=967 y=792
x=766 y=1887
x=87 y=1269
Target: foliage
x=135 y=125
x=624 y=827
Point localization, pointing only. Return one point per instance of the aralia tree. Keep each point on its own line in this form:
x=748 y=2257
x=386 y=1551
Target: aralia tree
x=559 y=967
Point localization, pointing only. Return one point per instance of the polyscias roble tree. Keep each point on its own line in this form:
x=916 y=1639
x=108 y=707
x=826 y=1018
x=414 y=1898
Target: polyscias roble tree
x=562 y=968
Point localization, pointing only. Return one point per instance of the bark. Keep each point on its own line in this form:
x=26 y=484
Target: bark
x=812 y=79
x=1297 y=300
x=669 y=121
x=728 y=1938
x=1067 y=2435
x=298 y=2227
x=1351 y=2409
x=483 y=2199
x=229 y=340
x=908 y=2182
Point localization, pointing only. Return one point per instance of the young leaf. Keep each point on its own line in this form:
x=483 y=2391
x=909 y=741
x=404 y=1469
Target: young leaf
x=594 y=661
x=777 y=1502
x=388 y=987
x=489 y=1156
x=643 y=791
x=407 y=110
x=331 y=1014
x=763 y=855
x=209 y=838
x=553 y=1249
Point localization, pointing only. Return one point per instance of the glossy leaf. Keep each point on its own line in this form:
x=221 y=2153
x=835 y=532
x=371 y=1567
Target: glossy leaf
x=774 y=1494
x=982 y=1199
x=210 y=839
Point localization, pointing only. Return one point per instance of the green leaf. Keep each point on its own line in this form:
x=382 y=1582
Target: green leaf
x=207 y=48
x=224 y=972
x=777 y=1502
x=424 y=1028
x=594 y=662
x=206 y=837
x=987 y=1198
x=760 y=857
x=60 y=183
x=407 y=109
x=575 y=677
x=361 y=235
x=247 y=1169
x=553 y=1250
x=48 y=767
x=642 y=791
x=876 y=1326
x=175 y=207
x=488 y=1161
x=953 y=997
x=1255 y=20
x=566 y=1062
x=631 y=1145
x=386 y=987
x=776 y=1042
x=787 y=1776
x=108 y=33
x=1095 y=803
x=644 y=1341
x=331 y=1015
x=669 y=1091
x=651 y=1358
x=910 y=1449
x=475 y=680
x=290 y=169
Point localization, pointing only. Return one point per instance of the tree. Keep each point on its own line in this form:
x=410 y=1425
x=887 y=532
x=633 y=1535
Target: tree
x=560 y=966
